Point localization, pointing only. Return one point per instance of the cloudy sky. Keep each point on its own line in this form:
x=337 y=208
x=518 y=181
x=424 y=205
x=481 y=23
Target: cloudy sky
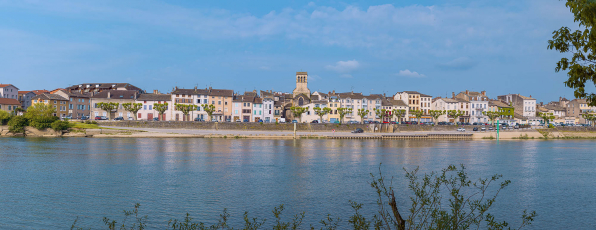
x=366 y=46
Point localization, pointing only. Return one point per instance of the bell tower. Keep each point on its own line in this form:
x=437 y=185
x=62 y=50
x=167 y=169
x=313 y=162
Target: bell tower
x=301 y=84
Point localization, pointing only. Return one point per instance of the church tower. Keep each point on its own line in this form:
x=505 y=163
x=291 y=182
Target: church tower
x=301 y=84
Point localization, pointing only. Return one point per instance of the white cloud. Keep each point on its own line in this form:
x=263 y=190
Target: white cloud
x=408 y=73
x=344 y=66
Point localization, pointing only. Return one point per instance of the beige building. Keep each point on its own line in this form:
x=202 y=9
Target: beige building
x=116 y=96
x=9 y=104
x=58 y=102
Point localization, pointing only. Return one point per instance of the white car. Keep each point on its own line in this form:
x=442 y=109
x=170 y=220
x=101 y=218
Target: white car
x=461 y=130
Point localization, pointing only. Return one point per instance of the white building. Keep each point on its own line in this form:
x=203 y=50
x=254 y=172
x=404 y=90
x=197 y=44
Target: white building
x=148 y=111
x=525 y=106
x=444 y=104
x=9 y=91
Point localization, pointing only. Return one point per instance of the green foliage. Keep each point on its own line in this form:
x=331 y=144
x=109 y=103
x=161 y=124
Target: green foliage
x=398 y=113
x=4 y=117
x=132 y=107
x=466 y=205
x=590 y=117
x=382 y=113
x=455 y=114
x=109 y=107
x=185 y=108
x=42 y=122
x=581 y=44
x=209 y=109
x=547 y=117
x=492 y=115
x=60 y=125
x=417 y=113
x=39 y=110
x=362 y=113
x=297 y=111
x=322 y=112
x=435 y=114
x=342 y=113
x=17 y=124
x=160 y=108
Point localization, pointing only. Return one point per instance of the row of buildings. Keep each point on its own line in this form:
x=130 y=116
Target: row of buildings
x=268 y=106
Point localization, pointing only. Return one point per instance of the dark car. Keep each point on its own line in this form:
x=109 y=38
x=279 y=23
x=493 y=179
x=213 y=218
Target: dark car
x=84 y=118
x=119 y=119
x=475 y=123
x=414 y=123
x=475 y=129
x=245 y=120
x=155 y=119
x=314 y=121
x=198 y=119
x=358 y=130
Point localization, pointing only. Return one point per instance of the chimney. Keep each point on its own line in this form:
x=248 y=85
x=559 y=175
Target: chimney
x=452 y=95
x=135 y=96
x=155 y=91
x=483 y=93
x=209 y=88
x=108 y=94
x=467 y=92
x=195 y=88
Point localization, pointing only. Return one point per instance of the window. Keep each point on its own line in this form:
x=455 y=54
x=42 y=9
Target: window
x=150 y=107
x=219 y=102
x=144 y=107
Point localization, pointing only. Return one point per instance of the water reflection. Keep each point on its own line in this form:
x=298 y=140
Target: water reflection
x=92 y=177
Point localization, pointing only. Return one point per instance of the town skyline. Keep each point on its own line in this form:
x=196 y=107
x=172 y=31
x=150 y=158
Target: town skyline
x=365 y=47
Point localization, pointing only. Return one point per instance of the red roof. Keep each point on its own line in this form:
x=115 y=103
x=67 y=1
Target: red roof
x=24 y=92
x=38 y=92
x=9 y=101
x=4 y=85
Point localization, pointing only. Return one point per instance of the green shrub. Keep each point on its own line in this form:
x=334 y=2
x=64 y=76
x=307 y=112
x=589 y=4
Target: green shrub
x=4 y=117
x=60 y=125
x=42 y=122
x=17 y=124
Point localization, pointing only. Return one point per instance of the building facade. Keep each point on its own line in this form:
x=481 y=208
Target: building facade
x=9 y=91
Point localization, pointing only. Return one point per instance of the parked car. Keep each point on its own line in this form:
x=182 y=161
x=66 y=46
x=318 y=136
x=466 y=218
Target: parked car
x=516 y=127
x=461 y=130
x=393 y=122
x=101 y=118
x=483 y=129
x=198 y=119
x=475 y=129
x=155 y=119
x=376 y=122
x=245 y=120
x=68 y=117
x=414 y=123
x=352 y=122
x=314 y=121
x=85 y=118
x=336 y=122
x=490 y=128
x=358 y=130
x=119 y=119
x=475 y=123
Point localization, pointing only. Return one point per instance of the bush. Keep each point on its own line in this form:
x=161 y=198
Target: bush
x=41 y=123
x=60 y=125
x=17 y=124
x=4 y=117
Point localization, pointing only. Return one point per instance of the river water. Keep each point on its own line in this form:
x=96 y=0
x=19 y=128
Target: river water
x=48 y=183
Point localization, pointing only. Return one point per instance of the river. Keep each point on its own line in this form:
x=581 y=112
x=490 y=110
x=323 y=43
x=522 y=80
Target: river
x=46 y=183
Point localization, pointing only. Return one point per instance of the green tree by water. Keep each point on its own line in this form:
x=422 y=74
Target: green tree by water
x=133 y=108
x=582 y=45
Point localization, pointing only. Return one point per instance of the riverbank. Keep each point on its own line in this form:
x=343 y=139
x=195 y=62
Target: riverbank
x=131 y=132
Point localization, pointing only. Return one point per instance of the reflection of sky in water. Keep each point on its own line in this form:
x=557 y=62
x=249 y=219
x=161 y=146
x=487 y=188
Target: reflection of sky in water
x=46 y=183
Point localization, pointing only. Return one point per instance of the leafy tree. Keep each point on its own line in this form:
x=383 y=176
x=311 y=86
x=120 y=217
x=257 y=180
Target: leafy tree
x=546 y=117
x=297 y=111
x=161 y=109
x=322 y=112
x=17 y=111
x=342 y=113
x=209 y=109
x=133 y=108
x=40 y=116
x=40 y=110
x=418 y=114
x=435 y=114
x=382 y=113
x=17 y=124
x=362 y=113
x=185 y=109
x=398 y=113
x=108 y=107
x=590 y=117
x=492 y=115
x=455 y=114
x=4 y=117
x=581 y=44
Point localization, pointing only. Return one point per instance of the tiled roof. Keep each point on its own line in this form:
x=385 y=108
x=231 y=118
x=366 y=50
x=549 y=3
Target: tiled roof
x=398 y=103
x=117 y=94
x=526 y=98
x=40 y=91
x=411 y=92
x=9 y=101
x=258 y=100
x=185 y=91
x=5 y=85
x=424 y=95
x=127 y=86
x=461 y=100
x=498 y=104
x=556 y=108
x=448 y=100
x=47 y=96
x=76 y=94
x=221 y=92
x=154 y=97
x=23 y=92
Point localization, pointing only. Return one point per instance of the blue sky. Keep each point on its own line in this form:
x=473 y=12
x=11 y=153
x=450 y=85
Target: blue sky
x=366 y=46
